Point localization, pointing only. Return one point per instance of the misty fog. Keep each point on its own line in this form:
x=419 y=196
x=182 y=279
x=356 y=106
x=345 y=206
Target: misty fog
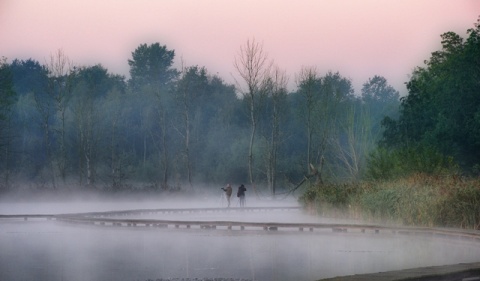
x=39 y=249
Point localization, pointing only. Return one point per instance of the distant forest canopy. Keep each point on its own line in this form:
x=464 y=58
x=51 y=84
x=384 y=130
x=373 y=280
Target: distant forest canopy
x=164 y=128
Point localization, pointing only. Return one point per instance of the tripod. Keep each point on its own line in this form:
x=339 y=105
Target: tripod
x=223 y=200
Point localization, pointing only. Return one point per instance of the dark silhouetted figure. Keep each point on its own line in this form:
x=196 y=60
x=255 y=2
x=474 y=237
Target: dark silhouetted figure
x=228 y=193
x=241 y=195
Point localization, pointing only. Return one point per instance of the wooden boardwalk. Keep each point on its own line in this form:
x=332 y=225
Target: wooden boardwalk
x=465 y=272
x=120 y=219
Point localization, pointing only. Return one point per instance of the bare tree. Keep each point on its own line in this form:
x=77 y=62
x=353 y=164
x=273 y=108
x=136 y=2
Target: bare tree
x=276 y=88
x=61 y=71
x=252 y=65
x=324 y=98
x=361 y=128
x=358 y=142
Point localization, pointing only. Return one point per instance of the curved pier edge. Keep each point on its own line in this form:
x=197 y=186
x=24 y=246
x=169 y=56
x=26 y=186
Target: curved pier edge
x=455 y=272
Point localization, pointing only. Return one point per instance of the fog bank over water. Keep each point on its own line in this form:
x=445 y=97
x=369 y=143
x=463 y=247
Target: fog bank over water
x=54 y=251
x=94 y=202
x=39 y=249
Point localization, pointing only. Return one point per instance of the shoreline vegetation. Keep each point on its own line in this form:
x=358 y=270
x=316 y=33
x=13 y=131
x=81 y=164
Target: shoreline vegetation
x=417 y=200
x=441 y=200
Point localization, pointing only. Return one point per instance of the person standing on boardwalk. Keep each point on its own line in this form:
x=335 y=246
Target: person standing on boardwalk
x=241 y=195
x=228 y=193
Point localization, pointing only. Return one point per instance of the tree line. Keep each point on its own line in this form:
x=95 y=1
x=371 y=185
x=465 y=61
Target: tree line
x=167 y=128
x=164 y=128
x=438 y=128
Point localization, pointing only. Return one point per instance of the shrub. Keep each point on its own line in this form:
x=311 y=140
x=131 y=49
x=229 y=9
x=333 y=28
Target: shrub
x=420 y=199
x=380 y=203
x=323 y=198
x=384 y=164
x=462 y=207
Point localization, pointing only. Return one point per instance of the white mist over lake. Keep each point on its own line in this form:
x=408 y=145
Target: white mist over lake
x=38 y=249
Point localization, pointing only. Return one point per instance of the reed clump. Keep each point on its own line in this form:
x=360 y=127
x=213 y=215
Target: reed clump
x=419 y=199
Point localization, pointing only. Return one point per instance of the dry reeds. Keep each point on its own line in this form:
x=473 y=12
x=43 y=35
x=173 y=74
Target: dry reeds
x=420 y=199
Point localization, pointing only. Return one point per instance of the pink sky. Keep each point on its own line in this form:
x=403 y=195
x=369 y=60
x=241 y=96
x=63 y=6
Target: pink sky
x=358 y=38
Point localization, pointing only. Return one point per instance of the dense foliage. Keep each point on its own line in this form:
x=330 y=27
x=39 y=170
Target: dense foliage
x=442 y=109
x=165 y=128
x=425 y=170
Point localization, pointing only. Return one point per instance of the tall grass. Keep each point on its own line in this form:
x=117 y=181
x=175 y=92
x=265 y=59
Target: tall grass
x=420 y=199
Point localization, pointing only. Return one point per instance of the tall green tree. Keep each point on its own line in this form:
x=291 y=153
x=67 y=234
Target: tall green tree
x=308 y=83
x=92 y=86
x=151 y=81
x=192 y=85
x=7 y=93
x=151 y=65
x=442 y=107
x=219 y=130
x=335 y=100
x=379 y=100
x=7 y=99
x=32 y=115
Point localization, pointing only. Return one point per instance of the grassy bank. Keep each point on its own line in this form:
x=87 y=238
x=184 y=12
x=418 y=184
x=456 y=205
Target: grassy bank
x=419 y=200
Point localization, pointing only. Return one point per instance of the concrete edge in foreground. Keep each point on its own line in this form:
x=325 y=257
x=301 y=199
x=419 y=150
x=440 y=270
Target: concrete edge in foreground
x=462 y=271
